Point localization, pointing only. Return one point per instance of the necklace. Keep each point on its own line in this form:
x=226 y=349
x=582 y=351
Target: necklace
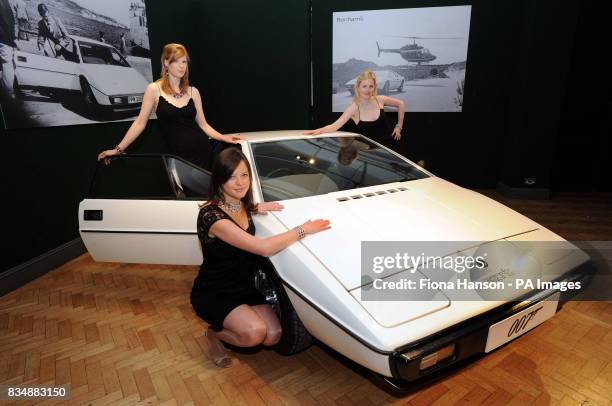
x=178 y=95
x=232 y=207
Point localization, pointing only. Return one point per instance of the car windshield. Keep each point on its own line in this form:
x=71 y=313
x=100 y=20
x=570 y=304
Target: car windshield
x=101 y=55
x=292 y=169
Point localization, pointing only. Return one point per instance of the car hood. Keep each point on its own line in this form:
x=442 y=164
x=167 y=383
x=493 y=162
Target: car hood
x=115 y=80
x=422 y=210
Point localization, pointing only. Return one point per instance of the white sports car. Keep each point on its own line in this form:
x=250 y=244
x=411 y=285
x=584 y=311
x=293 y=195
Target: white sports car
x=143 y=209
x=97 y=71
x=386 y=81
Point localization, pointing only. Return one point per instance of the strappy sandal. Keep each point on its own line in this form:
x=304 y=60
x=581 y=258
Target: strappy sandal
x=224 y=361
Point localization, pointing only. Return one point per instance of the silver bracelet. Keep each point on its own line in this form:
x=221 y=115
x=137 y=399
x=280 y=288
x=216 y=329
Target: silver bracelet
x=398 y=126
x=300 y=232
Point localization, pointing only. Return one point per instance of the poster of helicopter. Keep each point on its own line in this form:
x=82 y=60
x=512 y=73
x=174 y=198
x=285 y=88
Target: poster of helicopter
x=419 y=55
x=66 y=62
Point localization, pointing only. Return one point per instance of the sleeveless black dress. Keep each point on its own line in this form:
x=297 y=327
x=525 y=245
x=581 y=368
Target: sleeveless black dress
x=377 y=130
x=225 y=280
x=182 y=133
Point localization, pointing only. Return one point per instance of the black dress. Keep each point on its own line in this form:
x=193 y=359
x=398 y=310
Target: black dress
x=225 y=280
x=377 y=130
x=182 y=133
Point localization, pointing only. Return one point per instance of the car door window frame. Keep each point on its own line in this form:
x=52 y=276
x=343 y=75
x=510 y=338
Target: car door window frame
x=172 y=183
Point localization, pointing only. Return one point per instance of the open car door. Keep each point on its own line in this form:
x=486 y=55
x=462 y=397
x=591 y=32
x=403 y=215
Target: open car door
x=36 y=70
x=143 y=209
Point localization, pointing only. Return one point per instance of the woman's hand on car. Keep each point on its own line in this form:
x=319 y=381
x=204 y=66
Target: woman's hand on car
x=315 y=226
x=265 y=207
x=105 y=155
x=313 y=132
x=232 y=139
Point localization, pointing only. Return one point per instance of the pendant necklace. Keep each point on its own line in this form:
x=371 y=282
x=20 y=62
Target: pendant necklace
x=178 y=95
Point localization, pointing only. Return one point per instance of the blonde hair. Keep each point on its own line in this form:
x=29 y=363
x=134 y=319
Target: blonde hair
x=171 y=53
x=365 y=75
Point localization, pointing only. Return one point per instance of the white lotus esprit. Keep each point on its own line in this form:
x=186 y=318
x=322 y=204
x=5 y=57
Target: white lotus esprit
x=386 y=80
x=143 y=209
x=99 y=72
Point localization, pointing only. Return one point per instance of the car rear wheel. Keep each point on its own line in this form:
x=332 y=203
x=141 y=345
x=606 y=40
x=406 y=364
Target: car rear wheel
x=87 y=94
x=295 y=337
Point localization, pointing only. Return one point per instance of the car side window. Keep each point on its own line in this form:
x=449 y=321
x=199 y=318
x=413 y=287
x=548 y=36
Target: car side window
x=101 y=55
x=163 y=177
x=189 y=181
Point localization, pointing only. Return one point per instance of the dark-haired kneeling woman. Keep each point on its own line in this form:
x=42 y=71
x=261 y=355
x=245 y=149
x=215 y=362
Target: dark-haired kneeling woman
x=223 y=294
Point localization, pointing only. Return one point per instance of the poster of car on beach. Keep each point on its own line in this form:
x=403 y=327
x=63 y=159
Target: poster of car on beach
x=418 y=55
x=66 y=62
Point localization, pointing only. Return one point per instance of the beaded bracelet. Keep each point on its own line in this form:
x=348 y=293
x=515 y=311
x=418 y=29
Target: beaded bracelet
x=300 y=232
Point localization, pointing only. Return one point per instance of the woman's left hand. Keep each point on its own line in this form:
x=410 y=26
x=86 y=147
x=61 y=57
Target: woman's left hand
x=313 y=132
x=265 y=207
x=231 y=139
x=397 y=133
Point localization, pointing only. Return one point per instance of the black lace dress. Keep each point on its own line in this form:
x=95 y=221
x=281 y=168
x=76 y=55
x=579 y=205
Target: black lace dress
x=225 y=280
x=182 y=133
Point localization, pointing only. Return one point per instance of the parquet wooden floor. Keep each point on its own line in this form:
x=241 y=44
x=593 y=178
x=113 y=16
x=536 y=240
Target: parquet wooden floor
x=126 y=334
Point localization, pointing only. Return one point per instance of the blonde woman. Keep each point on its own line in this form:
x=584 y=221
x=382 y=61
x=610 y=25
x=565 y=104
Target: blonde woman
x=179 y=113
x=367 y=112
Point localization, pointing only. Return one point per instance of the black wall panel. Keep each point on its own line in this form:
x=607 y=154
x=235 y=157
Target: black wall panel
x=582 y=147
x=253 y=64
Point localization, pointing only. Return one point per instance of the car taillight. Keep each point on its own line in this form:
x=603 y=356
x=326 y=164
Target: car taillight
x=432 y=359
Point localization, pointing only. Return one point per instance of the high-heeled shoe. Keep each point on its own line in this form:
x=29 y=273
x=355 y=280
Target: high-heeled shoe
x=224 y=361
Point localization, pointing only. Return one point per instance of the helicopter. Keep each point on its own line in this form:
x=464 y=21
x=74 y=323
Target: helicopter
x=413 y=52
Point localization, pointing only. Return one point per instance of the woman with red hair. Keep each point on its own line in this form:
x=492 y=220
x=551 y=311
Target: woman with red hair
x=179 y=113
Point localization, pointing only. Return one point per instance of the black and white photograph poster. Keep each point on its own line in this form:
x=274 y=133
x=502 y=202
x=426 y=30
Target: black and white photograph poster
x=419 y=55
x=66 y=62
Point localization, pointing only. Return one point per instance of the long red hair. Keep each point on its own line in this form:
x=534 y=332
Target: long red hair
x=171 y=53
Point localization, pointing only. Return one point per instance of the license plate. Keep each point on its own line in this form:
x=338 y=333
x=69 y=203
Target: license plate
x=134 y=99
x=518 y=324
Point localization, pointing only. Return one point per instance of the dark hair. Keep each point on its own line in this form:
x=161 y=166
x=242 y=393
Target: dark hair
x=346 y=155
x=41 y=7
x=223 y=167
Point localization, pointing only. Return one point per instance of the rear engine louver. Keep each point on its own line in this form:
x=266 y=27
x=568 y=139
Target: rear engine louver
x=371 y=194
